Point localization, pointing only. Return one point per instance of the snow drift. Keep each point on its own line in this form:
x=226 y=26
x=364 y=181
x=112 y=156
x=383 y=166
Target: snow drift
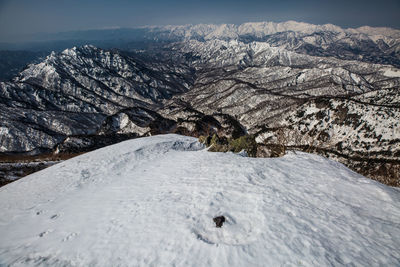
x=151 y=202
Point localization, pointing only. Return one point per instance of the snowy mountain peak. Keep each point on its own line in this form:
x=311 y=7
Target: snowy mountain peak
x=261 y=29
x=383 y=31
x=99 y=71
x=142 y=201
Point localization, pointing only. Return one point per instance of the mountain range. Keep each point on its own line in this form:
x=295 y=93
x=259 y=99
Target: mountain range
x=316 y=88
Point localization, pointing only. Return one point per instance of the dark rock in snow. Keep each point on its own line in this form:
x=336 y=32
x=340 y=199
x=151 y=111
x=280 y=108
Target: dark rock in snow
x=219 y=221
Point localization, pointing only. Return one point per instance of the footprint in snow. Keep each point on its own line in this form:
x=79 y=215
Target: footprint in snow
x=39 y=212
x=85 y=174
x=55 y=216
x=42 y=234
x=69 y=237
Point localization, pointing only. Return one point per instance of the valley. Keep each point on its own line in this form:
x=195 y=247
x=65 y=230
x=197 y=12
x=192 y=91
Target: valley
x=264 y=80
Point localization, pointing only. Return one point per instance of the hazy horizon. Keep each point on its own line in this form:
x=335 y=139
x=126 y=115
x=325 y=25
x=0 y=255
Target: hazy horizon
x=23 y=17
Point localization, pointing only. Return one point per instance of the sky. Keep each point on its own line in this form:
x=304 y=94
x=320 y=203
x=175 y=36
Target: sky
x=24 y=17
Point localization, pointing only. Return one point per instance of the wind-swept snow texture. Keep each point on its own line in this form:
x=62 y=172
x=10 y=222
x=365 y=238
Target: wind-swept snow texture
x=151 y=202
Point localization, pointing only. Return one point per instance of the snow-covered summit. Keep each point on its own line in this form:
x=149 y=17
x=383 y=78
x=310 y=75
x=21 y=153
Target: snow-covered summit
x=151 y=201
x=261 y=29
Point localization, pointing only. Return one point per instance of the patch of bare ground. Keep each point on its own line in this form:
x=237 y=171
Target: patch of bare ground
x=14 y=167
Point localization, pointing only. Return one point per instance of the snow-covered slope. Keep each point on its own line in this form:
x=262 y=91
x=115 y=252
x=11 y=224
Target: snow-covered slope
x=151 y=202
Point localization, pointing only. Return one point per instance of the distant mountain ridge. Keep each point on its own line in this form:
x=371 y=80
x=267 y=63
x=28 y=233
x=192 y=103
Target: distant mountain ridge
x=368 y=44
x=212 y=31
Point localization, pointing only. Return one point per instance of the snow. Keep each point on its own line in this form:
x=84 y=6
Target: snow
x=379 y=31
x=262 y=29
x=151 y=201
x=4 y=130
x=355 y=78
x=391 y=72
